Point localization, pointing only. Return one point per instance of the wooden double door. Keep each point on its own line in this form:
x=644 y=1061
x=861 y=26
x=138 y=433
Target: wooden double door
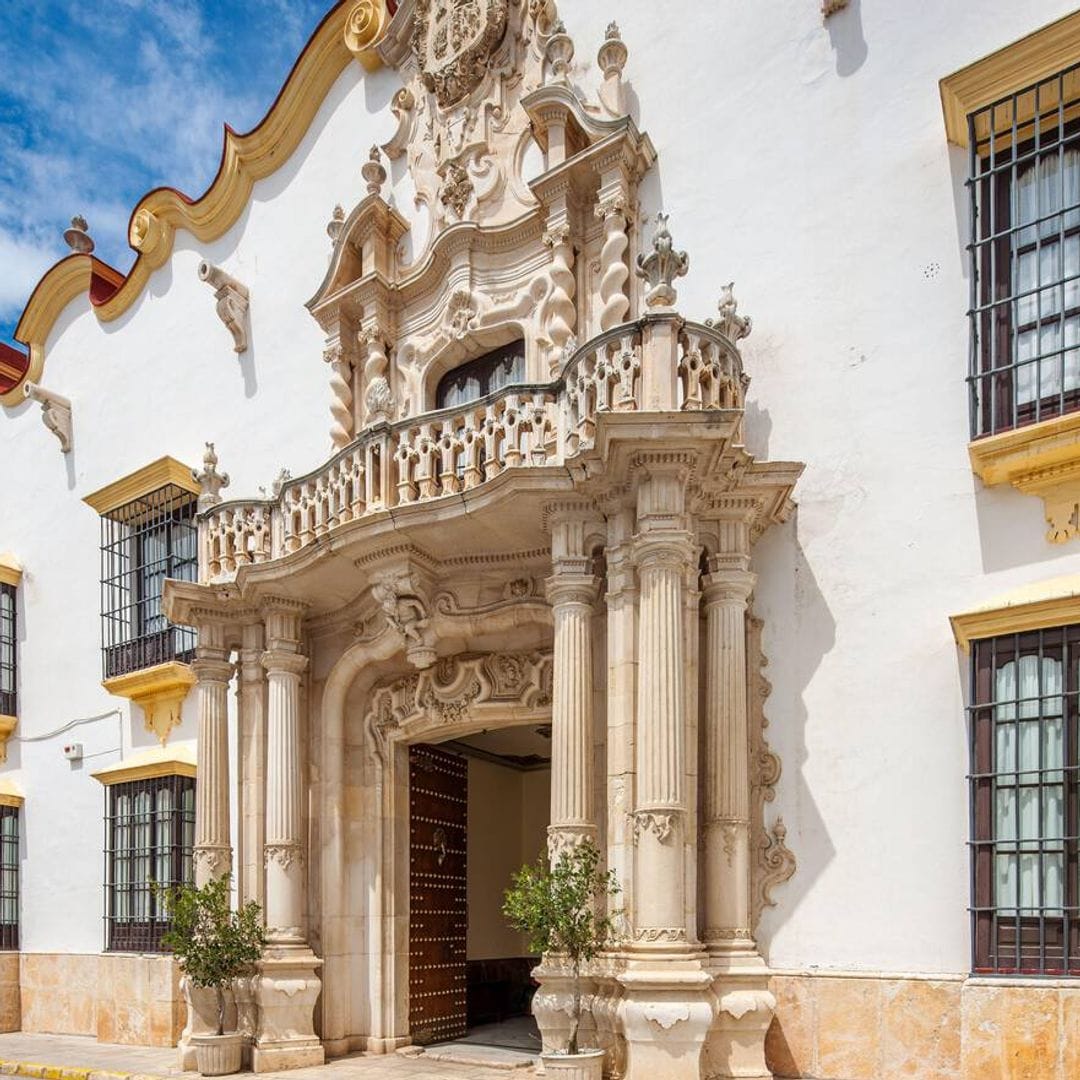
x=438 y=894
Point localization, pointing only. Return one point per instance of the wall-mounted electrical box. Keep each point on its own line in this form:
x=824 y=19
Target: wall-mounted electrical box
x=73 y=751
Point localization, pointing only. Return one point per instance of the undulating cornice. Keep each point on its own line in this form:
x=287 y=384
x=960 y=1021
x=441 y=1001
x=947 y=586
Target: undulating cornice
x=245 y=159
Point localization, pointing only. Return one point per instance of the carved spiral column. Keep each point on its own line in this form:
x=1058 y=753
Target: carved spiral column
x=343 y=421
x=614 y=272
x=660 y=812
x=284 y=849
x=562 y=314
x=727 y=759
x=213 y=850
x=378 y=398
x=571 y=591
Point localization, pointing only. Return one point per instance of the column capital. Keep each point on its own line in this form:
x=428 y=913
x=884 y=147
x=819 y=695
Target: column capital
x=568 y=586
x=728 y=586
x=283 y=662
x=669 y=548
x=214 y=669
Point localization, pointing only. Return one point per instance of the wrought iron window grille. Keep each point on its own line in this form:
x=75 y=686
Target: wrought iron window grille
x=1025 y=803
x=142 y=543
x=9 y=877
x=149 y=838
x=1024 y=195
x=8 y=660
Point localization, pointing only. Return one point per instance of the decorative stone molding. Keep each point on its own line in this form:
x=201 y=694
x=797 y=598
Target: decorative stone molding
x=8 y=724
x=211 y=860
x=365 y=25
x=177 y=760
x=160 y=692
x=661 y=267
x=283 y=854
x=455 y=690
x=336 y=223
x=210 y=481
x=55 y=412
x=612 y=59
x=773 y=862
x=10 y=569
x=342 y=425
x=452 y=42
x=233 y=303
x=653 y=934
x=661 y=823
x=614 y=273
x=374 y=172
x=164 y=472
x=378 y=398
x=1041 y=606
x=560 y=54
x=406 y=611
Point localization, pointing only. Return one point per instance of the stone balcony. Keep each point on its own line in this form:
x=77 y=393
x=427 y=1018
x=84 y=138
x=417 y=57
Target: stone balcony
x=659 y=364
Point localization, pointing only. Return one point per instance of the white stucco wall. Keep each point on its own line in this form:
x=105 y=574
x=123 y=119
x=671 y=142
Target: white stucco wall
x=809 y=163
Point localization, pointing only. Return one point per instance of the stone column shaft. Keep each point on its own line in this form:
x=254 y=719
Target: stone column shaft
x=213 y=849
x=284 y=840
x=252 y=766
x=727 y=762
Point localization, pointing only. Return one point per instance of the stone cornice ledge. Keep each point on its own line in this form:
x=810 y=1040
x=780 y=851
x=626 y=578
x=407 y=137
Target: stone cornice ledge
x=1041 y=459
x=1033 y=607
x=159 y=691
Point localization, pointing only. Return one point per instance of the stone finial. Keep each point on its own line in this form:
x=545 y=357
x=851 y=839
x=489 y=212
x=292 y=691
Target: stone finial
x=661 y=267
x=612 y=59
x=282 y=478
x=210 y=481
x=336 y=223
x=77 y=238
x=731 y=324
x=374 y=172
x=232 y=302
x=55 y=412
x=560 y=52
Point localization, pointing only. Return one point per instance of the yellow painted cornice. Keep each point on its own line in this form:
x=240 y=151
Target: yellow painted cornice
x=10 y=569
x=10 y=795
x=158 y=474
x=159 y=691
x=1014 y=67
x=351 y=29
x=1033 y=607
x=175 y=761
x=1039 y=459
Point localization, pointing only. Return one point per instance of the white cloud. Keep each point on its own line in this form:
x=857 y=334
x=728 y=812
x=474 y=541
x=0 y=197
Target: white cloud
x=22 y=262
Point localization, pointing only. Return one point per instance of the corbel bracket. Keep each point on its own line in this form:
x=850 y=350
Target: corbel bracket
x=159 y=691
x=233 y=302
x=55 y=411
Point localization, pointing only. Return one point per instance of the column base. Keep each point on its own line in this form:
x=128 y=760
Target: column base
x=666 y=1013
x=745 y=1005
x=286 y=990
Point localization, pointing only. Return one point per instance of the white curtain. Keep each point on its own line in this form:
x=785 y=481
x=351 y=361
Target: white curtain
x=1029 y=737
x=1044 y=187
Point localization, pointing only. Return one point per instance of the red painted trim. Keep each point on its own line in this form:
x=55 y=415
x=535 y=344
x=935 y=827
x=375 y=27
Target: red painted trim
x=12 y=360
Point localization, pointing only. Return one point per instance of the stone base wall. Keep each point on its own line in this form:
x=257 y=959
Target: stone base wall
x=840 y=1026
x=117 y=998
x=10 y=1008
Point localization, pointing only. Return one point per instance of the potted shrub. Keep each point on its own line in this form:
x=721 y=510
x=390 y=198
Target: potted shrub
x=563 y=910
x=214 y=946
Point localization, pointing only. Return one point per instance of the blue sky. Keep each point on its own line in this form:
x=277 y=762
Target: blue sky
x=100 y=104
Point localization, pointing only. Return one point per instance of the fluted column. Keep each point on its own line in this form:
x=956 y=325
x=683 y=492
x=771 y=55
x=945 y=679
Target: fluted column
x=727 y=758
x=252 y=713
x=213 y=850
x=571 y=590
x=284 y=848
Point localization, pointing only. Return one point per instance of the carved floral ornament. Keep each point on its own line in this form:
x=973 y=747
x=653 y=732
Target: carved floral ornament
x=454 y=690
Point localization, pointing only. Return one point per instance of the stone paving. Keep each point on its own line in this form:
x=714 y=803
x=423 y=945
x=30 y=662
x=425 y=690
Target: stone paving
x=70 y=1057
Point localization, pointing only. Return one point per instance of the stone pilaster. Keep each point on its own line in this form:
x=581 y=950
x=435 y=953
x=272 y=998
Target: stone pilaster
x=736 y=1044
x=571 y=590
x=288 y=984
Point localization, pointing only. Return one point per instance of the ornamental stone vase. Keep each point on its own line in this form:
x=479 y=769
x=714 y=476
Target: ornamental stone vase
x=586 y=1065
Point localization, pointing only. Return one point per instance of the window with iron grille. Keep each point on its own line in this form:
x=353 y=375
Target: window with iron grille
x=143 y=543
x=1024 y=799
x=9 y=877
x=149 y=836
x=8 y=700
x=1024 y=190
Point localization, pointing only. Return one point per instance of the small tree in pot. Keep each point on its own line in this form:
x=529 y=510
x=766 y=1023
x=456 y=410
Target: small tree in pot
x=563 y=910
x=214 y=946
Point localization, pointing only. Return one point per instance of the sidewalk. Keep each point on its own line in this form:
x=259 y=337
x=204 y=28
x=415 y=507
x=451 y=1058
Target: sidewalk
x=72 y=1057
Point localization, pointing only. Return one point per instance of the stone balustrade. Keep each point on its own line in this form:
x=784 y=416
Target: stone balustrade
x=453 y=450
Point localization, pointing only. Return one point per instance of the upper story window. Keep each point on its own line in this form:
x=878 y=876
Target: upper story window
x=148 y=534
x=1024 y=190
x=484 y=375
x=1026 y=802
x=8 y=659
x=9 y=872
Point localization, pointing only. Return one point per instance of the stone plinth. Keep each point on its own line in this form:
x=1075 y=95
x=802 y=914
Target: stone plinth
x=286 y=990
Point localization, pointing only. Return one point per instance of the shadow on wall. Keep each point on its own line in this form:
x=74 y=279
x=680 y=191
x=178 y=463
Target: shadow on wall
x=1012 y=530
x=847 y=40
x=799 y=631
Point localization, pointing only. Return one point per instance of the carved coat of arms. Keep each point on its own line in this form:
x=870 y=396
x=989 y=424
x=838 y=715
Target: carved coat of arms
x=452 y=40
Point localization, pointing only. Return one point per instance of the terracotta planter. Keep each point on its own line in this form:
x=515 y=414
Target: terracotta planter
x=586 y=1065
x=218 y=1055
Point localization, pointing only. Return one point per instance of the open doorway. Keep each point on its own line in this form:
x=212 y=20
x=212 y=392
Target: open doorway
x=479 y=809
